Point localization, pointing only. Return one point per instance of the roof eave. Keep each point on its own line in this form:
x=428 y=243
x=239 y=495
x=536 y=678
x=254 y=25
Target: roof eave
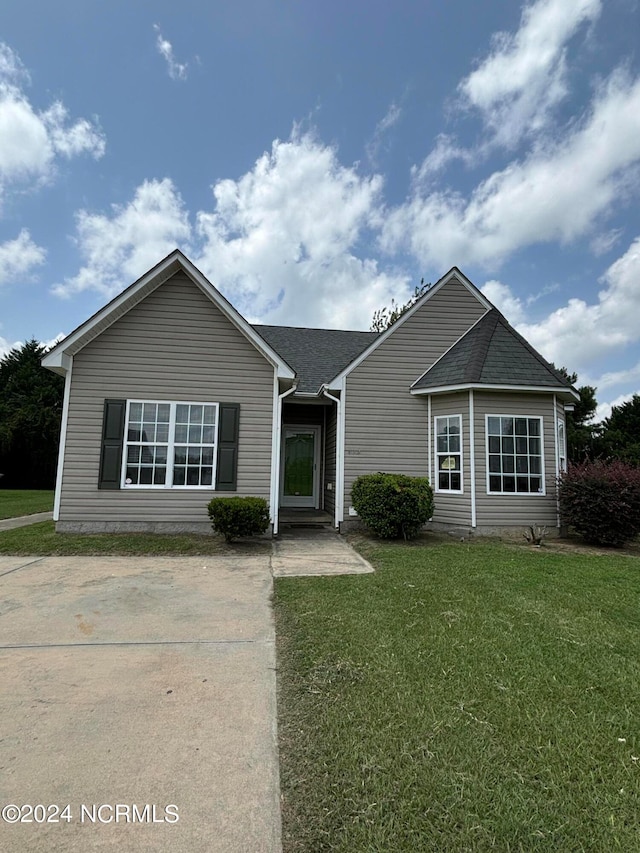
x=562 y=391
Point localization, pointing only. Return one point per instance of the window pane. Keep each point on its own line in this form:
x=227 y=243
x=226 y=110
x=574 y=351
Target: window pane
x=442 y=444
x=209 y=435
x=161 y=455
x=509 y=484
x=454 y=426
x=193 y=476
x=178 y=475
x=207 y=476
x=507 y=445
x=536 y=467
x=164 y=410
x=454 y=443
x=182 y=414
x=455 y=480
x=146 y=475
x=149 y=411
x=521 y=426
x=195 y=434
x=149 y=431
x=135 y=412
x=443 y=480
x=159 y=476
x=181 y=432
x=494 y=444
x=193 y=456
x=209 y=414
x=134 y=432
x=207 y=455
x=536 y=484
x=162 y=432
x=522 y=484
x=495 y=484
x=508 y=464
x=132 y=474
x=521 y=444
x=534 y=426
x=494 y=464
x=133 y=455
x=195 y=416
x=494 y=426
x=522 y=464
x=534 y=446
x=180 y=455
x=506 y=426
x=441 y=427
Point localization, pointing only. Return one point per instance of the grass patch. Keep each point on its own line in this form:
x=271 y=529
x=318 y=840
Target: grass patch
x=15 y=502
x=465 y=697
x=42 y=539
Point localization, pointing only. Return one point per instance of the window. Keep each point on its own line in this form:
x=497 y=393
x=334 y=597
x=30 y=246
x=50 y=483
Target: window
x=170 y=445
x=562 y=447
x=449 y=453
x=514 y=455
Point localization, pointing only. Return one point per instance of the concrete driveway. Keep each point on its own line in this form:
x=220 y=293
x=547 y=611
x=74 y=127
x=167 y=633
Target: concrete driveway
x=138 y=682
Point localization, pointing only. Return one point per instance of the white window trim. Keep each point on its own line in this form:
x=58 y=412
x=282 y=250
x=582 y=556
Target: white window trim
x=170 y=448
x=436 y=472
x=543 y=491
x=562 y=423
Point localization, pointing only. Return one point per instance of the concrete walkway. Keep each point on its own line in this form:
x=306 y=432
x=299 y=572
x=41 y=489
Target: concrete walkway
x=24 y=520
x=305 y=553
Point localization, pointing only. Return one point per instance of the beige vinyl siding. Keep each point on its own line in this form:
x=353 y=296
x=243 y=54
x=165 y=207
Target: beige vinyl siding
x=175 y=345
x=330 y=461
x=386 y=429
x=452 y=508
x=517 y=509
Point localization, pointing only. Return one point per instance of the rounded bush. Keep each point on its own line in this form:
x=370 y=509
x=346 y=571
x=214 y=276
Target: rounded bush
x=235 y=516
x=393 y=506
x=601 y=501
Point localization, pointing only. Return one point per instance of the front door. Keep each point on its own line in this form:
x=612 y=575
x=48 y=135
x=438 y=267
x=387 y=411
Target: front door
x=300 y=466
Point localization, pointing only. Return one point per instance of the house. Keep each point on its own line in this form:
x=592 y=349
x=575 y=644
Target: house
x=171 y=397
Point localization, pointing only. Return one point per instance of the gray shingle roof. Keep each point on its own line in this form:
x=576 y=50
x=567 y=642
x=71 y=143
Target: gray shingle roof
x=317 y=355
x=492 y=353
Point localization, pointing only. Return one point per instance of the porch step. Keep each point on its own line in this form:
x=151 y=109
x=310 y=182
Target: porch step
x=311 y=519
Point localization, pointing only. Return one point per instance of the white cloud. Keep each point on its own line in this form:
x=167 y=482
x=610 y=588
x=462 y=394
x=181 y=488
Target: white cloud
x=19 y=257
x=615 y=378
x=579 y=335
x=603 y=243
x=121 y=247
x=6 y=346
x=557 y=193
x=516 y=87
x=177 y=70
x=31 y=140
x=281 y=241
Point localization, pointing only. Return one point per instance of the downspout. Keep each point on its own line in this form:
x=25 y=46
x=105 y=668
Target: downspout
x=339 y=493
x=63 y=438
x=276 y=451
x=555 y=438
x=472 y=457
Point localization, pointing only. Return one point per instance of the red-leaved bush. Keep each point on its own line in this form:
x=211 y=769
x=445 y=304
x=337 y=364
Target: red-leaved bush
x=601 y=501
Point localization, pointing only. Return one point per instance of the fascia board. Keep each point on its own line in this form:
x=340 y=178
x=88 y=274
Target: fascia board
x=537 y=389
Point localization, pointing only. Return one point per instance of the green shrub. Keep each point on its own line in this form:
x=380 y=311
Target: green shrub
x=235 y=517
x=393 y=506
x=601 y=501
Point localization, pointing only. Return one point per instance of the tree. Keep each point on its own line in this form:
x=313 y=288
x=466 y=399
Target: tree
x=620 y=432
x=387 y=316
x=30 y=416
x=582 y=433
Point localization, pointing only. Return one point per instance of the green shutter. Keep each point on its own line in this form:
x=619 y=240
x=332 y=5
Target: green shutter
x=228 y=430
x=112 y=442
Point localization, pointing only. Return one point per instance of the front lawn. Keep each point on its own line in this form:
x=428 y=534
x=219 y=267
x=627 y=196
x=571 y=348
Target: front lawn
x=466 y=697
x=15 y=502
x=42 y=539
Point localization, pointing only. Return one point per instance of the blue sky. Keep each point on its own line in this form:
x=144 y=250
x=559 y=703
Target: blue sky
x=316 y=160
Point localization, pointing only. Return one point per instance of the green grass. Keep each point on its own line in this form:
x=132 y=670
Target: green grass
x=466 y=697
x=41 y=539
x=15 y=502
